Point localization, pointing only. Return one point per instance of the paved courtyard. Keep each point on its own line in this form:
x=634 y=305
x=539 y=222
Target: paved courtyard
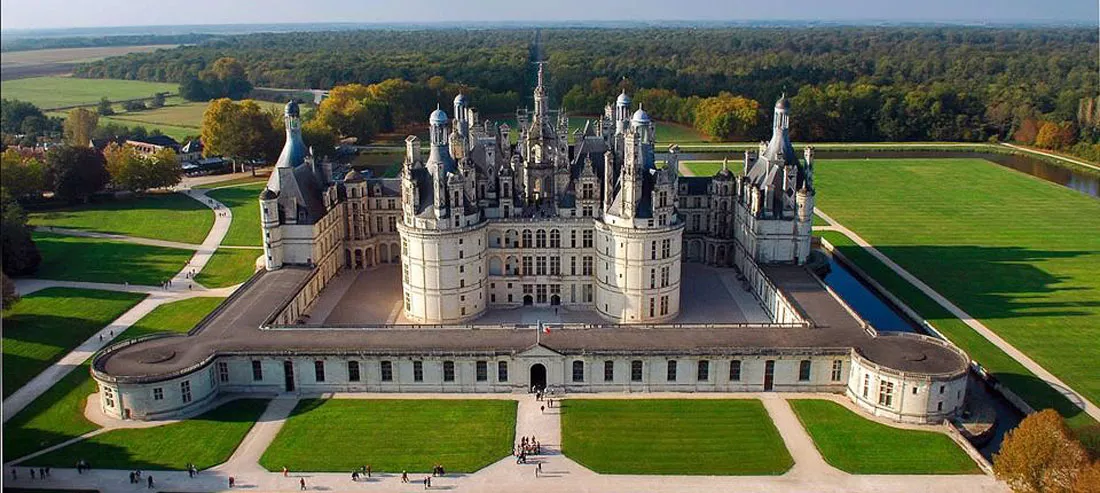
x=708 y=295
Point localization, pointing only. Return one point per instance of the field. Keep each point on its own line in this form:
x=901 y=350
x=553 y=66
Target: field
x=178 y=316
x=143 y=217
x=393 y=435
x=72 y=258
x=54 y=417
x=206 y=441
x=47 y=324
x=858 y=445
x=244 y=201
x=659 y=436
x=59 y=92
x=177 y=119
x=35 y=63
x=228 y=267
x=1008 y=248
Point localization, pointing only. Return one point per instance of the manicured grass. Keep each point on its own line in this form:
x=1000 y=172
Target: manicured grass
x=73 y=258
x=1003 y=367
x=393 y=435
x=206 y=440
x=819 y=221
x=857 y=445
x=178 y=316
x=244 y=201
x=161 y=216
x=247 y=180
x=47 y=324
x=1016 y=252
x=53 y=92
x=54 y=417
x=668 y=436
x=710 y=168
x=228 y=267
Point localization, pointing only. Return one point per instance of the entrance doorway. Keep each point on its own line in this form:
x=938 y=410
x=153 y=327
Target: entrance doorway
x=769 y=375
x=288 y=375
x=528 y=300
x=538 y=376
x=555 y=300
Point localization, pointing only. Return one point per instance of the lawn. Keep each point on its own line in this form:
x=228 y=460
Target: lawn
x=73 y=258
x=55 y=92
x=670 y=436
x=857 y=445
x=244 y=201
x=247 y=180
x=54 y=417
x=710 y=168
x=228 y=267
x=145 y=217
x=47 y=324
x=206 y=440
x=1010 y=249
x=393 y=435
x=178 y=316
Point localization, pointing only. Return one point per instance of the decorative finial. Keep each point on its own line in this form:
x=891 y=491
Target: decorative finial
x=725 y=163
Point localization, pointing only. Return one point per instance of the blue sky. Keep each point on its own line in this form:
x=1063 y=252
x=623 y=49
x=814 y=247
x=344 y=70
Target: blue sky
x=16 y=14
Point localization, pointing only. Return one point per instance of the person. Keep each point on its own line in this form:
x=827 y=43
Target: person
x=302 y=484
x=47 y=471
x=131 y=477
x=232 y=481
x=355 y=475
x=368 y=470
x=150 y=481
x=14 y=474
x=538 y=468
x=543 y=409
x=32 y=473
x=404 y=476
x=441 y=471
x=286 y=472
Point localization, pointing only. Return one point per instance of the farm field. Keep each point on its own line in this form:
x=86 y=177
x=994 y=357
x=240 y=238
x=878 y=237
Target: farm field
x=47 y=324
x=144 y=217
x=74 y=258
x=57 y=61
x=57 y=92
x=671 y=436
x=393 y=435
x=858 y=445
x=1006 y=247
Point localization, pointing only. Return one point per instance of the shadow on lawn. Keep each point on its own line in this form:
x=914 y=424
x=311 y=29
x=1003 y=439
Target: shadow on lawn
x=994 y=282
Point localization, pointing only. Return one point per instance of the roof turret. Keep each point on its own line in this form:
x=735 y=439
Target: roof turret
x=439 y=117
x=623 y=99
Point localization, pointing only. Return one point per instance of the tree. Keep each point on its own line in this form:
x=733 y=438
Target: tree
x=726 y=116
x=238 y=130
x=104 y=107
x=157 y=101
x=76 y=172
x=23 y=176
x=1040 y=455
x=125 y=166
x=133 y=105
x=1055 y=135
x=7 y=288
x=1026 y=133
x=320 y=139
x=1088 y=478
x=351 y=111
x=164 y=169
x=13 y=114
x=20 y=254
x=79 y=126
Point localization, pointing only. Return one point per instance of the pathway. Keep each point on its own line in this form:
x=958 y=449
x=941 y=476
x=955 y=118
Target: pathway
x=1075 y=397
x=182 y=288
x=1055 y=156
x=246 y=459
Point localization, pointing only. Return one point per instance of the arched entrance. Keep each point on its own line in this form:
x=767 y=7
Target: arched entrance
x=555 y=300
x=528 y=300
x=538 y=376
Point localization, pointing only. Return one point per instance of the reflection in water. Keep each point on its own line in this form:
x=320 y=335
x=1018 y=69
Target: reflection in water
x=865 y=301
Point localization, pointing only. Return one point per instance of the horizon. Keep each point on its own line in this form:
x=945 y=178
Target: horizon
x=47 y=15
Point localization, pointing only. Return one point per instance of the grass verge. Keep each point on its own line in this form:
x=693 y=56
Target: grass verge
x=228 y=267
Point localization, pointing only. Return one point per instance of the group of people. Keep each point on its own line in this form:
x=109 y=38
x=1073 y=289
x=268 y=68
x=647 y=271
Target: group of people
x=192 y=470
x=356 y=474
x=527 y=447
x=43 y=473
x=135 y=478
x=83 y=465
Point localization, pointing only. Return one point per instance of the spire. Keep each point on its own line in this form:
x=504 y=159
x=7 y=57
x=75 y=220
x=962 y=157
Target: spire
x=294 y=150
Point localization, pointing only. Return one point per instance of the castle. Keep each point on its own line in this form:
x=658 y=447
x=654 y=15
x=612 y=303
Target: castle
x=588 y=220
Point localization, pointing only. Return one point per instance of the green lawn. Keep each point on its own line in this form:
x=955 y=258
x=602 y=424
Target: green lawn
x=47 y=324
x=858 y=445
x=54 y=417
x=54 y=92
x=710 y=168
x=206 y=440
x=228 y=267
x=244 y=201
x=819 y=221
x=178 y=316
x=393 y=435
x=1014 y=251
x=669 y=436
x=247 y=180
x=72 y=258
x=161 y=216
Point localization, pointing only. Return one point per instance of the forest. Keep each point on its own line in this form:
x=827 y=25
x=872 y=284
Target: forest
x=846 y=83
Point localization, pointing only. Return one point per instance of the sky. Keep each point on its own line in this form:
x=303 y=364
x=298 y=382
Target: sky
x=33 y=14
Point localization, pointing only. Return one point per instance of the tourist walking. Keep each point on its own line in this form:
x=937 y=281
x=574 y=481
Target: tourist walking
x=302 y=484
x=32 y=473
x=232 y=481
x=286 y=472
x=14 y=475
x=404 y=476
x=150 y=481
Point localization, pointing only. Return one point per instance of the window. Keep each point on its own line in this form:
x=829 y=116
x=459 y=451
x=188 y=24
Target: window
x=586 y=266
x=608 y=371
x=578 y=371
x=573 y=239
x=672 y=371
x=526 y=238
x=652 y=304
x=939 y=407
x=653 y=250
x=555 y=238
x=502 y=371
x=664 y=276
x=257 y=370
x=942 y=387
x=866 y=384
x=353 y=371
x=448 y=371
x=666 y=248
x=703 y=372
x=664 y=305
x=572 y=266
x=319 y=370
x=540 y=238
x=885 y=393
x=387 y=371
x=555 y=266
x=837 y=367
x=652 y=281
x=636 y=371
x=418 y=371
x=914 y=390
x=735 y=371
x=527 y=269
x=185 y=391
x=482 y=371
x=540 y=266
x=158 y=394
x=804 y=370
x=109 y=396
x=223 y=371
x=586 y=238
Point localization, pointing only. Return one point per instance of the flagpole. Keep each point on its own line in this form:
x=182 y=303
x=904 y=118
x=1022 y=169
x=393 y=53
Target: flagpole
x=538 y=332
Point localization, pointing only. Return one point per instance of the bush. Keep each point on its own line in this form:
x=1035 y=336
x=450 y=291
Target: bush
x=132 y=106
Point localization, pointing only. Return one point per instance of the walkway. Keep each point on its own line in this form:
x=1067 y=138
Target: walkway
x=1075 y=397
x=157 y=296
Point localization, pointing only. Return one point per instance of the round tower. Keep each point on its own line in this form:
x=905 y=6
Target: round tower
x=269 y=222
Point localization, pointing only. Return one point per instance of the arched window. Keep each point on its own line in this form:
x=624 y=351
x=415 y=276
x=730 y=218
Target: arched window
x=526 y=238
